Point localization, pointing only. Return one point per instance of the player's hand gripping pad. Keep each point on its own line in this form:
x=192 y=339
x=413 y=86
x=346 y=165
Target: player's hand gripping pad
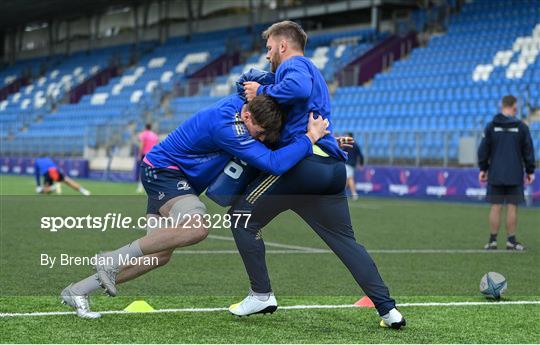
x=231 y=183
x=261 y=77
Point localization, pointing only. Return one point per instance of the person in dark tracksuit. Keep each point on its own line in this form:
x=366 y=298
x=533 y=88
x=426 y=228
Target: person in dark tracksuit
x=314 y=188
x=354 y=157
x=505 y=151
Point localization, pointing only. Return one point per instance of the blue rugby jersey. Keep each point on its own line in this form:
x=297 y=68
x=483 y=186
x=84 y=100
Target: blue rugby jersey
x=300 y=88
x=202 y=146
x=41 y=166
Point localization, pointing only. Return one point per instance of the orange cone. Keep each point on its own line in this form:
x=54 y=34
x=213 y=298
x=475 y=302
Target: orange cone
x=365 y=302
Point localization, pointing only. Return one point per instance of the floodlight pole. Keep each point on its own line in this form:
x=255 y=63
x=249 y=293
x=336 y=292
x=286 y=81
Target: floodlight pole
x=20 y=31
x=51 y=37
x=68 y=36
x=146 y=11
x=97 y=27
x=90 y=33
x=12 y=45
x=375 y=18
x=190 y=18
x=136 y=25
x=167 y=24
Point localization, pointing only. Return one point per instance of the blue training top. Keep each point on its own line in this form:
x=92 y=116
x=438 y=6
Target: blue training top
x=300 y=88
x=202 y=146
x=41 y=166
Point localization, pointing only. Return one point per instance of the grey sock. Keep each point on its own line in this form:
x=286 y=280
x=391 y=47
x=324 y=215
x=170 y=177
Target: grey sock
x=132 y=250
x=86 y=286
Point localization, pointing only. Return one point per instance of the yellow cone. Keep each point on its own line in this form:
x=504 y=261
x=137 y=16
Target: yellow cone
x=139 y=307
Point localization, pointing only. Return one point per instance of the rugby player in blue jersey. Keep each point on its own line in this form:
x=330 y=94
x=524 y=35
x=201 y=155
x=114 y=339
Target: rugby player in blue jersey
x=181 y=167
x=46 y=168
x=314 y=188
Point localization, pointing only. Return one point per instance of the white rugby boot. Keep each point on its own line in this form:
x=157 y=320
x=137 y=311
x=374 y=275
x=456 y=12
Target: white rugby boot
x=107 y=277
x=515 y=246
x=80 y=303
x=253 y=305
x=491 y=245
x=393 y=319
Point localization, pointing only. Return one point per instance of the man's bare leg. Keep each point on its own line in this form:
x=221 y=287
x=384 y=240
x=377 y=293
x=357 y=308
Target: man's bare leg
x=495 y=218
x=185 y=231
x=127 y=273
x=133 y=271
x=180 y=237
x=511 y=219
x=74 y=185
x=164 y=240
x=494 y=224
x=511 y=227
x=352 y=187
x=71 y=182
x=130 y=272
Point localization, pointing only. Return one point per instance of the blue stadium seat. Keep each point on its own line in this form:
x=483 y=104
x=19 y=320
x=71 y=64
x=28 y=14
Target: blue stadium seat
x=436 y=90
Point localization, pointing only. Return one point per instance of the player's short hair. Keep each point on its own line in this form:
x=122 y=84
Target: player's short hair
x=289 y=30
x=508 y=101
x=267 y=113
x=148 y=126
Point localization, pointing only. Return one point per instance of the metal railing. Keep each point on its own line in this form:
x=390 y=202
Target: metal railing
x=191 y=87
x=423 y=147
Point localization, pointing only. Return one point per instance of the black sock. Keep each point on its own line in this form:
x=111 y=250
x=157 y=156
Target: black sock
x=512 y=239
x=493 y=238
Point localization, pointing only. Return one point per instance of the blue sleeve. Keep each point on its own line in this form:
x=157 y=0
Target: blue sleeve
x=527 y=150
x=484 y=150
x=256 y=154
x=37 y=174
x=297 y=84
x=256 y=75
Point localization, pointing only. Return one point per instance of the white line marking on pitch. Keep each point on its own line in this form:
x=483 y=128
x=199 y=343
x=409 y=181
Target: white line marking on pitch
x=312 y=250
x=291 y=307
x=292 y=249
x=442 y=251
x=273 y=244
x=372 y=251
x=234 y=251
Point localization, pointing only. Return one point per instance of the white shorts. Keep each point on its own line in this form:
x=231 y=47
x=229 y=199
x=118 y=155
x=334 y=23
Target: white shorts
x=350 y=170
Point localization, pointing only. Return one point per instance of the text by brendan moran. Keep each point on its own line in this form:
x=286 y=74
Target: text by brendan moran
x=69 y=260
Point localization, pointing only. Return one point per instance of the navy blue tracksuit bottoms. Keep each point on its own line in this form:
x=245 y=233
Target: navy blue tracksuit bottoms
x=315 y=190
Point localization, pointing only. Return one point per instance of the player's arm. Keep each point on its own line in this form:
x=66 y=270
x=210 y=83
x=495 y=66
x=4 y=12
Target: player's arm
x=258 y=76
x=139 y=152
x=277 y=162
x=296 y=85
x=37 y=174
x=484 y=152
x=360 y=156
x=527 y=150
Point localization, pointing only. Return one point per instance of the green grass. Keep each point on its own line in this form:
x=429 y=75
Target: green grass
x=216 y=280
